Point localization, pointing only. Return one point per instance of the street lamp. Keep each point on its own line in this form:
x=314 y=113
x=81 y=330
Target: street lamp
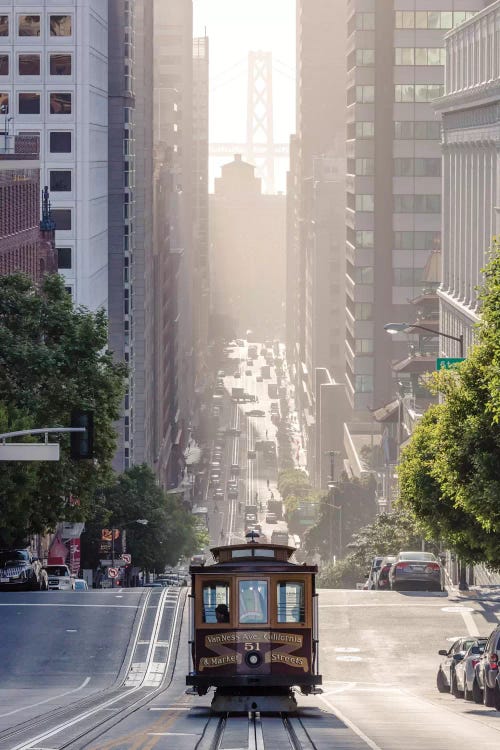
x=403 y=327
x=339 y=508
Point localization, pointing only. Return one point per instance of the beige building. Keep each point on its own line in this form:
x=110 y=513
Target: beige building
x=248 y=252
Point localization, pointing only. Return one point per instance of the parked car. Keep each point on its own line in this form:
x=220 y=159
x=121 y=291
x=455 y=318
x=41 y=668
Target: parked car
x=60 y=578
x=461 y=686
x=237 y=374
x=453 y=655
x=79 y=584
x=416 y=570
x=251 y=454
x=373 y=572
x=256 y=413
x=486 y=683
x=382 y=577
x=250 y=362
x=250 y=519
x=19 y=569
x=271 y=518
x=219 y=493
x=259 y=379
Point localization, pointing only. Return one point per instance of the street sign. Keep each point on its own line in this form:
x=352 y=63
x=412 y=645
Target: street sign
x=29 y=451
x=112 y=572
x=114 y=564
x=126 y=558
x=446 y=363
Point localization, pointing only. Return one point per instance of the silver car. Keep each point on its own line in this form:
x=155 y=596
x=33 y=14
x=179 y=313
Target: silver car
x=463 y=679
x=416 y=570
x=452 y=657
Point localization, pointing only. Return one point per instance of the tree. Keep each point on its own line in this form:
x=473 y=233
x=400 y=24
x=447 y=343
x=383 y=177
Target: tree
x=53 y=359
x=170 y=533
x=293 y=482
x=449 y=474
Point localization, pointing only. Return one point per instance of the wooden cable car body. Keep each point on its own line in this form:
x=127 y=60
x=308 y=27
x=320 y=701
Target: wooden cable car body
x=253 y=628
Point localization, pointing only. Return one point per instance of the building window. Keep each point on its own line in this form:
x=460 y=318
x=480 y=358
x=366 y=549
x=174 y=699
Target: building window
x=69 y=290
x=364 y=275
x=408 y=276
x=60 y=104
x=62 y=218
x=60 y=26
x=290 y=601
x=60 y=181
x=365 y=166
x=363 y=383
x=60 y=142
x=419 y=92
x=365 y=94
x=420 y=204
x=60 y=65
x=363 y=346
x=419 y=56
x=29 y=65
x=404 y=56
x=365 y=21
x=365 y=129
x=29 y=25
x=4 y=103
x=363 y=311
x=408 y=130
x=64 y=257
x=4 y=25
x=364 y=238
x=365 y=57
x=4 y=65
x=406 y=167
x=29 y=103
x=365 y=202
x=417 y=240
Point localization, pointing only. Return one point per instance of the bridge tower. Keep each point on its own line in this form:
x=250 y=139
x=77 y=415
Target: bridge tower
x=260 y=132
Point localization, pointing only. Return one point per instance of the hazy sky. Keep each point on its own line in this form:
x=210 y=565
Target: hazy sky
x=235 y=27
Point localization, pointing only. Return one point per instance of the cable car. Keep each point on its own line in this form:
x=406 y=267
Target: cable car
x=253 y=628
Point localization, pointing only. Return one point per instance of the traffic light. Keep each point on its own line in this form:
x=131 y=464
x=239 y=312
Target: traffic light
x=82 y=443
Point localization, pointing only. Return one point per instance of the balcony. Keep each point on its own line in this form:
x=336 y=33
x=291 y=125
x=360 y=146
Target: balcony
x=19 y=147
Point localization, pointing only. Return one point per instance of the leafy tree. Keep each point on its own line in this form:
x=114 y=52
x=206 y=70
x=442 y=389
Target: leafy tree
x=170 y=533
x=450 y=480
x=357 y=500
x=53 y=359
x=343 y=574
x=293 y=482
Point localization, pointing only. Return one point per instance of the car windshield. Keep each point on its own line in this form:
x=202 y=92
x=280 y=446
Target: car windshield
x=426 y=556
x=13 y=556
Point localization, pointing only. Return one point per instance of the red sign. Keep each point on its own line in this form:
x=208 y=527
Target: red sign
x=74 y=555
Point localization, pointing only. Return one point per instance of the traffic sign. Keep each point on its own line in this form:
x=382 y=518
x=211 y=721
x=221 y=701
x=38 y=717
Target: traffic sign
x=446 y=363
x=126 y=558
x=112 y=572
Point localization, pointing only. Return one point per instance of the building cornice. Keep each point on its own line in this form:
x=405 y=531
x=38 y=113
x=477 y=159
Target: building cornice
x=478 y=96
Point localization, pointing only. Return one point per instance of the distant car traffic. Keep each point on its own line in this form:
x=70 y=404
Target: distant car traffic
x=233 y=431
x=373 y=572
x=248 y=372
x=271 y=518
x=60 y=578
x=235 y=468
x=486 y=684
x=79 y=584
x=237 y=374
x=461 y=687
x=251 y=454
x=259 y=379
x=416 y=570
x=382 y=577
x=19 y=569
x=446 y=671
x=256 y=413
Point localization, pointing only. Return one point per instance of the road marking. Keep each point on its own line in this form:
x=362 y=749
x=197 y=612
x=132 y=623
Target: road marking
x=371 y=744
x=172 y=734
x=170 y=708
x=405 y=604
x=346 y=650
x=47 y=700
x=52 y=604
x=71 y=631
x=349 y=658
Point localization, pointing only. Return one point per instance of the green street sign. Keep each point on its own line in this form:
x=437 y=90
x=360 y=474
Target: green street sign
x=445 y=363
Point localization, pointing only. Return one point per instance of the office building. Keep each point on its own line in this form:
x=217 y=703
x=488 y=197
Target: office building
x=470 y=141
x=54 y=84
x=395 y=61
x=26 y=243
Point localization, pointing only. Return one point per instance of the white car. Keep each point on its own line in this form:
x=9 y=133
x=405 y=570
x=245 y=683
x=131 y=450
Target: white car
x=60 y=578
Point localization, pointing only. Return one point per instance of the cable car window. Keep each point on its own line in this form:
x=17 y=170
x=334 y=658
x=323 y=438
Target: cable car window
x=290 y=598
x=253 y=601
x=216 y=602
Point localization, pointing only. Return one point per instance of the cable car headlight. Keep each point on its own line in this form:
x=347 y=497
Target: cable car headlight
x=253 y=659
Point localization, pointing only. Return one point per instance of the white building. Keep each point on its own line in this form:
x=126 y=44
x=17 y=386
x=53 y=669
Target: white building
x=54 y=82
x=471 y=137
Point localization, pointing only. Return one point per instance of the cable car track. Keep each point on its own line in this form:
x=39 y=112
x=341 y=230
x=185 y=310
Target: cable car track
x=256 y=732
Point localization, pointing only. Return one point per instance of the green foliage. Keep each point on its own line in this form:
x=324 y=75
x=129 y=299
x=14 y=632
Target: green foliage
x=171 y=531
x=343 y=574
x=449 y=473
x=357 y=500
x=387 y=535
x=53 y=359
x=293 y=482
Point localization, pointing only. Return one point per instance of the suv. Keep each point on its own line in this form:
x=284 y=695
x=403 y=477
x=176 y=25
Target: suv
x=19 y=569
x=486 y=684
x=60 y=578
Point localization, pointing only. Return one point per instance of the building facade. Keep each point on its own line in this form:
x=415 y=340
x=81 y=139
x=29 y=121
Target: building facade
x=26 y=243
x=470 y=113
x=395 y=61
x=54 y=84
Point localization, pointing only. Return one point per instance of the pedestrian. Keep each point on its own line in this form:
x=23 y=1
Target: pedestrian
x=268 y=484
x=266 y=435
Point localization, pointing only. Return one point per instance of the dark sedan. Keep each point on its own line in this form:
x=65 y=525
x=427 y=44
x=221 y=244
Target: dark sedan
x=416 y=570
